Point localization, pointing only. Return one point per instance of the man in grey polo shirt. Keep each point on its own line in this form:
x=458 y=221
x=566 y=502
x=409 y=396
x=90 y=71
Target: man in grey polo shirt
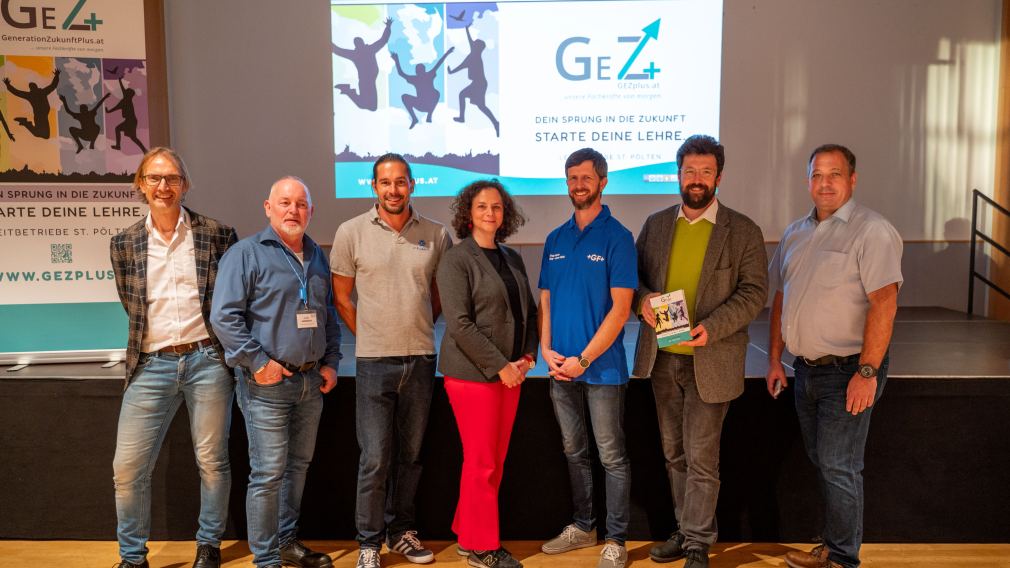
x=836 y=273
x=390 y=252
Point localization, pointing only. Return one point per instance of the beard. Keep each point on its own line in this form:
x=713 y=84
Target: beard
x=700 y=201
x=295 y=231
x=585 y=202
x=391 y=209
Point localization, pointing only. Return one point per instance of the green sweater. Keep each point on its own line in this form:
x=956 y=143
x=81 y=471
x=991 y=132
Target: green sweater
x=690 y=241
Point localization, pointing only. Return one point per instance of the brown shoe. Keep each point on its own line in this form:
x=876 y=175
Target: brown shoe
x=816 y=558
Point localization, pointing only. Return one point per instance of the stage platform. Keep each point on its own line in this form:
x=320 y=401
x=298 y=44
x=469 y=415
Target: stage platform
x=936 y=461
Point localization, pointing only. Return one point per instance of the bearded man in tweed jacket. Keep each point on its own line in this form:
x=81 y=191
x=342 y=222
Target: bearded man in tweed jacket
x=165 y=266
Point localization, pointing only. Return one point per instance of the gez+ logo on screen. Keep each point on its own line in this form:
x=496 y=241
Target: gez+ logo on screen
x=30 y=16
x=576 y=66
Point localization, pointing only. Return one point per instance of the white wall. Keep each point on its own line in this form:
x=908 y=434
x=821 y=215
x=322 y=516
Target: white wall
x=909 y=85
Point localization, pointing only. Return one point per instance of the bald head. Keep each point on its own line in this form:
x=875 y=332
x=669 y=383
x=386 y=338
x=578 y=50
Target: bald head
x=289 y=209
x=286 y=182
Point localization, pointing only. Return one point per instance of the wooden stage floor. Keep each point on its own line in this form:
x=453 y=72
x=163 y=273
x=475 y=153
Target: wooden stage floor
x=176 y=554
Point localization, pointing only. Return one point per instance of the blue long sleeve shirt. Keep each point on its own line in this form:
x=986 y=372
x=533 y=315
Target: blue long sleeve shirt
x=257 y=296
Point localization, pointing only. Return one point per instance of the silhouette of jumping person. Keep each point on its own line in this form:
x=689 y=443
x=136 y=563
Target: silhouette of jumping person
x=424 y=82
x=39 y=99
x=477 y=89
x=129 y=124
x=363 y=58
x=89 y=129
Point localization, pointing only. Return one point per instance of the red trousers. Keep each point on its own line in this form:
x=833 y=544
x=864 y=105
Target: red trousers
x=484 y=413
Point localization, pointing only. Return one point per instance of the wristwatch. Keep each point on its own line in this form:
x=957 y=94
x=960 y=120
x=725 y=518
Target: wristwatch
x=529 y=361
x=867 y=371
x=583 y=362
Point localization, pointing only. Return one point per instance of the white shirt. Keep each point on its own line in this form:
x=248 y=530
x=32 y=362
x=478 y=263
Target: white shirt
x=173 y=297
x=709 y=214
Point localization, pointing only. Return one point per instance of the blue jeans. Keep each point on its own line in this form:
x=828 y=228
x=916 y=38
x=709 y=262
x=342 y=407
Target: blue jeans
x=392 y=399
x=281 y=422
x=606 y=412
x=835 y=440
x=160 y=385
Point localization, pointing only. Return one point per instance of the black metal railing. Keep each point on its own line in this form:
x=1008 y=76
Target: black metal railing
x=977 y=234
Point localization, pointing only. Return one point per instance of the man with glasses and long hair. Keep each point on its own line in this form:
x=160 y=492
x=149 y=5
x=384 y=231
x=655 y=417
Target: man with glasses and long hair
x=165 y=266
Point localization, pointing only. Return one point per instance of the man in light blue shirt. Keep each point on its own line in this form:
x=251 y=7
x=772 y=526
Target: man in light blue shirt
x=273 y=311
x=836 y=274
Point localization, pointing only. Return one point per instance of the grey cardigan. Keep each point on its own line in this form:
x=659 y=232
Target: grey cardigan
x=478 y=318
x=732 y=289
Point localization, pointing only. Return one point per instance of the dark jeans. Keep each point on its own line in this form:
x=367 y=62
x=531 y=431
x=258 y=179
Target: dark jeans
x=392 y=398
x=835 y=440
x=691 y=430
x=606 y=412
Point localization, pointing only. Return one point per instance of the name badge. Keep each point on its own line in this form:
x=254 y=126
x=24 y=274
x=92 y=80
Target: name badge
x=306 y=319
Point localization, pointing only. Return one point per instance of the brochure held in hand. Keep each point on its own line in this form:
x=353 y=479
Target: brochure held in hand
x=672 y=322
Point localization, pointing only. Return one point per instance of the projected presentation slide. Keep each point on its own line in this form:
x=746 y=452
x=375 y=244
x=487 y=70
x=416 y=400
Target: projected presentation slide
x=508 y=90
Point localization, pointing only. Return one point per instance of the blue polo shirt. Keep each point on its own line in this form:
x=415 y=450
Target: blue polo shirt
x=579 y=268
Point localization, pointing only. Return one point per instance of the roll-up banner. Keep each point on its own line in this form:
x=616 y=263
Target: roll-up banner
x=74 y=118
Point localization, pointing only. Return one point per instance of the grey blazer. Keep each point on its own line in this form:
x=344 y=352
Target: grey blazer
x=732 y=290
x=478 y=318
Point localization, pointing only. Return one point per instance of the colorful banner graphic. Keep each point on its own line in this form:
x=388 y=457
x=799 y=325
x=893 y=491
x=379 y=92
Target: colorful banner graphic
x=74 y=112
x=467 y=90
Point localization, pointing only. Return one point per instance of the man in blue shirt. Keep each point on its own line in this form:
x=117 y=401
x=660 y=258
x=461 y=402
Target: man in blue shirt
x=273 y=311
x=587 y=279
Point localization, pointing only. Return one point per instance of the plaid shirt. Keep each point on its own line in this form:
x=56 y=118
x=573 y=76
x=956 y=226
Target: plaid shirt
x=129 y=261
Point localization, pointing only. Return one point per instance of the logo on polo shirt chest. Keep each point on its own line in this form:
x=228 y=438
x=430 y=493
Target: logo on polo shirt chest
x=556 y=256
x=422 y=245
x=595 y=257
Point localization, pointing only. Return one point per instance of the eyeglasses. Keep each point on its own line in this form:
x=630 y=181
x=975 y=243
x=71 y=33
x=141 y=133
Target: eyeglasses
x=154 y=180
x=704 y=173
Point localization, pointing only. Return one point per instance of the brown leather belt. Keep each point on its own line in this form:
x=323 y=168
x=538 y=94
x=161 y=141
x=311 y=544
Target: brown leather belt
x=299 y=368
x=183 y=348
x=831 y=360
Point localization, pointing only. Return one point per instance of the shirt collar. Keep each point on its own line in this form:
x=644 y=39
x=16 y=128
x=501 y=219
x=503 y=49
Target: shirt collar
x=600 y=218
x=183 y=221
x=843 y=213
x=269 y=235
x=379 y=221
x=709 y=214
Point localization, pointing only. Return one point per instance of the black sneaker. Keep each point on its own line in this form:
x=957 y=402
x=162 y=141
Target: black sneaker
x=411 y=548
x=207 y=556
x=500 y=558
x=672 y=549
x=125 y=564
x=696 y=558
x=297 y=554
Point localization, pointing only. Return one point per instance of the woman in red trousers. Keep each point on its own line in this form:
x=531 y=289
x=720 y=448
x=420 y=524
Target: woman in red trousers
x=490 y=344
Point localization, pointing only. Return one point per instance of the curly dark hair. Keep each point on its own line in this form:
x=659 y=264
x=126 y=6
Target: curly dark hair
x=512 y=216
x=703 y=145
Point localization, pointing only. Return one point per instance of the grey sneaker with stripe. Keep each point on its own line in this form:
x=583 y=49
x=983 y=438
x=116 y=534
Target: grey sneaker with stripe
x=408 y=545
